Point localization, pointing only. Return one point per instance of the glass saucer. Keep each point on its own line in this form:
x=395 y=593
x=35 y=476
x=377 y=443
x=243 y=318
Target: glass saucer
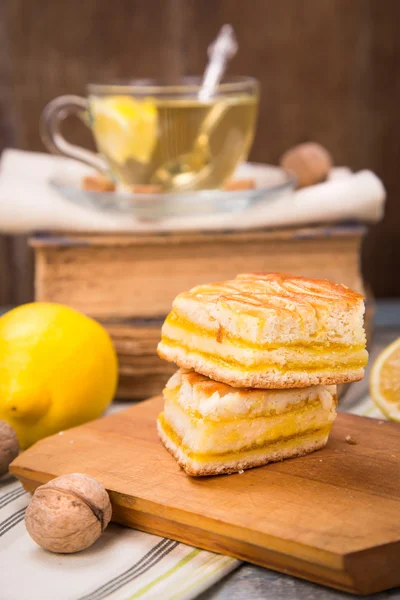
x=271 y=183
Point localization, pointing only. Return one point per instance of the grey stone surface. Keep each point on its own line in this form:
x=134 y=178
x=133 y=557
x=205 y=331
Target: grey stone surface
x=249 y=582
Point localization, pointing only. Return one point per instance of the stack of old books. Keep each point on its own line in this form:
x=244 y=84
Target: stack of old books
x=128 y=282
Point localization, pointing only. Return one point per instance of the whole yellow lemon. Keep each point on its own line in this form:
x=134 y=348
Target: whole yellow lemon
x=58 y=369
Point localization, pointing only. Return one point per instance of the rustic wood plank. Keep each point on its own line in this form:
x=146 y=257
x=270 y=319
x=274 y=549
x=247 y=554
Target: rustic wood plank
x=330 y=517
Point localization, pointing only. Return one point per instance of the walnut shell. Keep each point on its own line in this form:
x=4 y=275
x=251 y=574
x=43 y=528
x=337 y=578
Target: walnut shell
x=9 y=447
x=68 y=514
x=310 y=163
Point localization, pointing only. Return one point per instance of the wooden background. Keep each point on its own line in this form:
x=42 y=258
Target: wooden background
x=329 y=71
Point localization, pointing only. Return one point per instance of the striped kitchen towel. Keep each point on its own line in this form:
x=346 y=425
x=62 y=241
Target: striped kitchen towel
x=124 y=564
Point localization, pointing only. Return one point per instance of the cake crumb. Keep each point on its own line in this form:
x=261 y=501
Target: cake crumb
x=220 y=334
x=381 y=422
x=351 y=440
x=320 y=460
x=241 y=472
x=60 y=433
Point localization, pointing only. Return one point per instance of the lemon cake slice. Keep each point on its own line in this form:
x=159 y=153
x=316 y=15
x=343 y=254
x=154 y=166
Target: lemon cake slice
x=268 y=331
x=212 y=428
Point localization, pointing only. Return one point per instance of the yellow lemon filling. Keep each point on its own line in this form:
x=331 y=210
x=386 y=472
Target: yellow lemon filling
x=344 y=363
x=172 y=395
x=220 y=335
x=286 y=443
x=245 y=433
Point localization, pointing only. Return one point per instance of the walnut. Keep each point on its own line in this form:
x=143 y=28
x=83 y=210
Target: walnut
x=310 y=163
x=68 y=514
x=9 y=447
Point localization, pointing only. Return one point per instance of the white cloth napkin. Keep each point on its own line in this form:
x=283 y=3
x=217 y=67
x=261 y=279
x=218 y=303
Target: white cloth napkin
x=28 y=203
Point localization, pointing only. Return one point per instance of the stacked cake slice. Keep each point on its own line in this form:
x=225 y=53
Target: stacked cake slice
x=259 y=358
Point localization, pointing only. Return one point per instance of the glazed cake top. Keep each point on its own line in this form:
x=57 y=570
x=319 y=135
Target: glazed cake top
x=275 y=308
x=270 y=290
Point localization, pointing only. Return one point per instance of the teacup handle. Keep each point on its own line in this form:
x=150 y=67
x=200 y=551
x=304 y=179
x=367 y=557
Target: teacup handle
x=50 y=129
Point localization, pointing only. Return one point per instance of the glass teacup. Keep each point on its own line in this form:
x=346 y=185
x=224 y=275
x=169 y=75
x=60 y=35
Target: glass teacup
x=148 y=133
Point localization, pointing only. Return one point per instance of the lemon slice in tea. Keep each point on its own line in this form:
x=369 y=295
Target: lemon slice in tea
x=125 y=128
x=385 y=381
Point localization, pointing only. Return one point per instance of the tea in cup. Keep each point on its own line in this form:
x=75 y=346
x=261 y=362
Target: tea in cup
x=147 y=133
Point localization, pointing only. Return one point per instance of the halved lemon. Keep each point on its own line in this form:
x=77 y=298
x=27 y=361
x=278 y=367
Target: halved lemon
x=125 y=128
x=385 y=381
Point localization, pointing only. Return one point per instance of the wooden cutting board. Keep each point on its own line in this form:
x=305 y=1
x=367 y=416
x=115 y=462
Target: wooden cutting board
x=332 y=517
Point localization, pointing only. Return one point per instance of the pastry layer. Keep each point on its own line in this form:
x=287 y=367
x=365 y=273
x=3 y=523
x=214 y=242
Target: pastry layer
x=209 y=423
x=202 y=465
x=268 y=331
x=257 y=376
x=206 y=436
x=201 y=397
x=294 y=357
